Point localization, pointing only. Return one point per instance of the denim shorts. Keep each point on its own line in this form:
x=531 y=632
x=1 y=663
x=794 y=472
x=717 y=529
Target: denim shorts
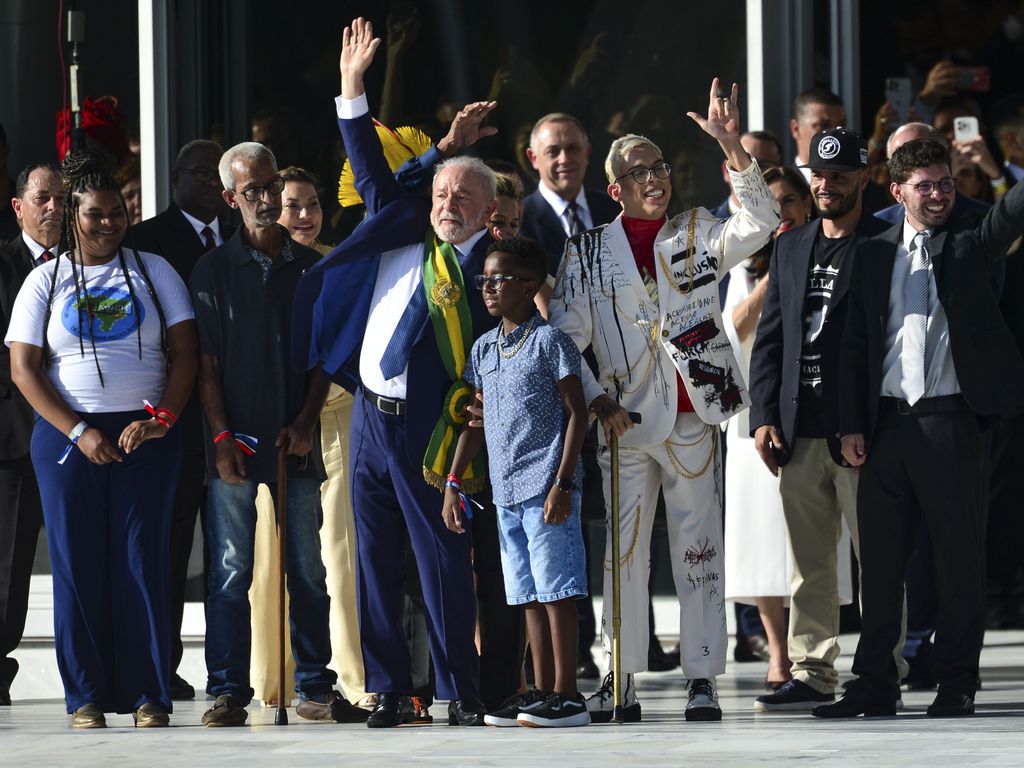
x=541 y=561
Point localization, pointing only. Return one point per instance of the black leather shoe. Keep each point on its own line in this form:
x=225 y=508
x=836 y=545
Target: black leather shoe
x=466 y=712
x=386 y=713
x=854 y=704
x=8 y=669
x=951 y=704
x=586 y=669
x=658 y=660
x=179 y=689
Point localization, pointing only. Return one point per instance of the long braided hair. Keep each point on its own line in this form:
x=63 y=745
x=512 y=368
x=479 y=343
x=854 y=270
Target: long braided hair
x=83 y=172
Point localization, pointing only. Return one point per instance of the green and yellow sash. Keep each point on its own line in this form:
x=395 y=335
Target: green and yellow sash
x=448 y=306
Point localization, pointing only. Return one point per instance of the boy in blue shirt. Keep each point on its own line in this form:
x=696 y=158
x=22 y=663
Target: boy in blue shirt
x=535 y=418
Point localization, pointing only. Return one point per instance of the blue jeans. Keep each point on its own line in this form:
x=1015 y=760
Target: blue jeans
x=231 y=531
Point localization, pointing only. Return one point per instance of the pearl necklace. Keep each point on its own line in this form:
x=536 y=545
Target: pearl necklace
x=519 y=344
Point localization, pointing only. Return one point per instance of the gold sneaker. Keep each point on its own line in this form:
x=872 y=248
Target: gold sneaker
x=88 y=716
x=149 y=715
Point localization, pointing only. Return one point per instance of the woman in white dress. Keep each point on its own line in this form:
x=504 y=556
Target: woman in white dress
x=758 y=565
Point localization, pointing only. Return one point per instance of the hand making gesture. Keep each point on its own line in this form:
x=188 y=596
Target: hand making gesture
x=723 y=124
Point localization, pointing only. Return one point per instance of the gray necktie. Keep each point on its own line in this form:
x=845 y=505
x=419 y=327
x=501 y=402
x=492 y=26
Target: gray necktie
x=915 y=321
x=576 y=225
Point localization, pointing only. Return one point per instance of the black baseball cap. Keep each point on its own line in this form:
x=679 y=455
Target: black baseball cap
x=837 y=149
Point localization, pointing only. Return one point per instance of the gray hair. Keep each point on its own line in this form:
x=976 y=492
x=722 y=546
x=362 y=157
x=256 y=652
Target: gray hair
x=195 y=144
x=622 y=146
x=921 y=131
x=556 y=117
x=475 y=166
x=251 y=151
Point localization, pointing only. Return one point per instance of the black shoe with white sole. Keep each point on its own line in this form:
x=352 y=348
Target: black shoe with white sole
x=702 y=705
x=505 y=716
x=557 y=711
x=601 y=704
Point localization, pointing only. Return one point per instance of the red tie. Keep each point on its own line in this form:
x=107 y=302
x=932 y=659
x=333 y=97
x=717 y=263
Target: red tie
x=45 y=256
x=207 y=235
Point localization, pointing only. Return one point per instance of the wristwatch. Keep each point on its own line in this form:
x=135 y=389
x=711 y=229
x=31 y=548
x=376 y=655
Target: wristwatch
x=565 y=484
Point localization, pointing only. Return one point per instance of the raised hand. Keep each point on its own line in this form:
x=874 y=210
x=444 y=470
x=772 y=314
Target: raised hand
x=358 y=46
x=723 y=124
x=466 y=128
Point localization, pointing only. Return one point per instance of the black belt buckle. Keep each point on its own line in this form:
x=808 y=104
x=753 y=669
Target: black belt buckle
x=903 y=408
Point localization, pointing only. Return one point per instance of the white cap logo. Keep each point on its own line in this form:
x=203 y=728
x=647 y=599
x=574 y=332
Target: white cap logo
x=828 y=147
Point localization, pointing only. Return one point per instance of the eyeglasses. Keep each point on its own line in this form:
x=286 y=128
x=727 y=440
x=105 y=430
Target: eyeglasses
x=926 y=188
x=256 y=192
x=201 y=173
x=494 y=282
x=644 y=175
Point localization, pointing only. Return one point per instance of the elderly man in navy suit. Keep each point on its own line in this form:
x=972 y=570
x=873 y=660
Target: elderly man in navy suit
x=380 y=312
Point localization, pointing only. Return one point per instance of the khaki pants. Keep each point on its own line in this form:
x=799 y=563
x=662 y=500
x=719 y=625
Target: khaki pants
x=338 y=549
x=817 y=495
x=691 y=480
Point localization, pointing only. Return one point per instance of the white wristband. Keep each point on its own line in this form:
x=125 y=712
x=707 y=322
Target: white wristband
x=77 y=431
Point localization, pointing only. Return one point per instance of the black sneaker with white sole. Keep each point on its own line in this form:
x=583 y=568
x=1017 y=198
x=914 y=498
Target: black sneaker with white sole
x=557 y=711
x=601 y=704
x=505 y=716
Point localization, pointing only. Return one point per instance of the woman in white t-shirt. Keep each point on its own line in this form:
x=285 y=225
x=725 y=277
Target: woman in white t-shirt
x=103 y=346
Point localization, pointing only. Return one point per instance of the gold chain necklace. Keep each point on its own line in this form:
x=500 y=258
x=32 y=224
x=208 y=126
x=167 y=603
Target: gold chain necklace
x=711 y=455
x=519 y=344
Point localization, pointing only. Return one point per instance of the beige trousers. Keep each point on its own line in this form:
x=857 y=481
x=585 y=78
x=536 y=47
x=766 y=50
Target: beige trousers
x=338 y=549
x=817 y=495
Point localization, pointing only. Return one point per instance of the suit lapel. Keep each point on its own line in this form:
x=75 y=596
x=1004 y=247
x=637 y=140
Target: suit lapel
x=618 y=245
x=799 y=266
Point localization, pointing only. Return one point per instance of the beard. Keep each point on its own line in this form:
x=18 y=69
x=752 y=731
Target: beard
x=846 y=204
x=451 y=227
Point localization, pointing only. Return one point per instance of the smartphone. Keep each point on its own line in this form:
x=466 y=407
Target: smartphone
x=965 y=128
x=974 y=79
x=897 y=93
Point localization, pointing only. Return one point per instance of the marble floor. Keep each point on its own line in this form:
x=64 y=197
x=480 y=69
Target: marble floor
x=35 y=731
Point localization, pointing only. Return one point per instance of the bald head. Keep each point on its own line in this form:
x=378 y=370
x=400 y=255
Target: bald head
x=911 y=132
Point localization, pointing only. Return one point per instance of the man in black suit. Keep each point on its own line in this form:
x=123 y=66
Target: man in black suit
x=182 y=234
x=926 y=355
x=793 y=418
x=37 y=207
x=560 y=207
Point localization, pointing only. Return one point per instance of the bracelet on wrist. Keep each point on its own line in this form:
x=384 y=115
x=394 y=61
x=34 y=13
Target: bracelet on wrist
x=453 y=481
x=77 y=431
x=222 y=436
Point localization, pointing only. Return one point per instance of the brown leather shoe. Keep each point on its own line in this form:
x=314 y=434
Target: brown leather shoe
x=150 y=715
x=88 y=716
x=226 y=711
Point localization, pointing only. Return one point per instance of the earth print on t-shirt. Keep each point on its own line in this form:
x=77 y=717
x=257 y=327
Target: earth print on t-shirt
x=110 y=311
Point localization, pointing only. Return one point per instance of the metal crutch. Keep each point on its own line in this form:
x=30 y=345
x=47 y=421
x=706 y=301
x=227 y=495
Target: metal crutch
x=281 y=509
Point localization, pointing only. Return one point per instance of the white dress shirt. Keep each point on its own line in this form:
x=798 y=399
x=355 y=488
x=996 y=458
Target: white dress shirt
x=940 y=377
x=561 y=208
x=36 y=249
x=199 y=226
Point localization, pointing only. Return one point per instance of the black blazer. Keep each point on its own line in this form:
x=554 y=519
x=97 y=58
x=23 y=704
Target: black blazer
x=775 y=359
x=169 y=234
x=541 y=223
x=16 y=417
x=988 y=364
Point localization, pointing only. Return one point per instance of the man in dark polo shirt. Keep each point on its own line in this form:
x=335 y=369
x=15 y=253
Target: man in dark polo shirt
x=255 y=402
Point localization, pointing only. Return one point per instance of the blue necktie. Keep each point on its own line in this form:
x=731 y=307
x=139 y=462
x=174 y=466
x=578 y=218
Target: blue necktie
x=396 y=354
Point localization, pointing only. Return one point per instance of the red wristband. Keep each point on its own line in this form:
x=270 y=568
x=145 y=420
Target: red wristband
x=222 y=436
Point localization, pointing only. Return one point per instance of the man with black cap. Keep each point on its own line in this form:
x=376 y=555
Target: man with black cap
x=794 y=405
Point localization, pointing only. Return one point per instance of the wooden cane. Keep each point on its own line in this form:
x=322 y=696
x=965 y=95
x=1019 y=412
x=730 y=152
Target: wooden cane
x=613 y=444
x=281 y=510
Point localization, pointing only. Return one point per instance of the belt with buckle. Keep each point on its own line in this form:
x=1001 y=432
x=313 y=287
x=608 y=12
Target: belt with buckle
x=388 y=405
x=944 y=404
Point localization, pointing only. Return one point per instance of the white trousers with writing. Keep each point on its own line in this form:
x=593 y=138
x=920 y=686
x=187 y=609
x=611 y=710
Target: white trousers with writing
x=688 y=470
